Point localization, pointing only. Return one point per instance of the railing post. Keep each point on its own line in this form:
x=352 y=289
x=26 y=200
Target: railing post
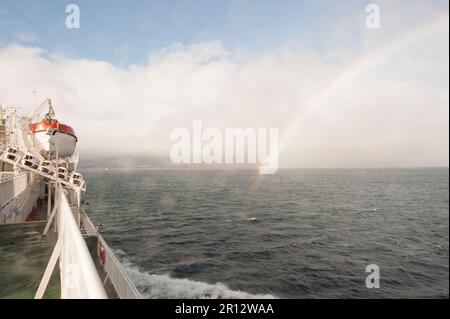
x=49 y=270
x=50 y=219
x=49 y=200
x=56 y=203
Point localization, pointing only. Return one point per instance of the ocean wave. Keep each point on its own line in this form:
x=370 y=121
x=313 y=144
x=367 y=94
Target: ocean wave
x=165 y=287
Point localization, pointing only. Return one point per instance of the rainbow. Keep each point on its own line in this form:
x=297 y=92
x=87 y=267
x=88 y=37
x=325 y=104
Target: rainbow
x=345 y=77
x=350 y=73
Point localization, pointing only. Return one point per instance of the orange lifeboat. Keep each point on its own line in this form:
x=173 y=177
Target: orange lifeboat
x=50 y=135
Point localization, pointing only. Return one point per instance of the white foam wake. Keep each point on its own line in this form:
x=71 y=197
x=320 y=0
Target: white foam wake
x=166 y=287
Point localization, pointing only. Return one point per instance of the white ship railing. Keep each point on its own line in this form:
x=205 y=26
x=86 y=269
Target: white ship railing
x=87 y=226
x=79 y=277
x=11 y=186
x=125 y=289
x=122 y=283
x=6 y=176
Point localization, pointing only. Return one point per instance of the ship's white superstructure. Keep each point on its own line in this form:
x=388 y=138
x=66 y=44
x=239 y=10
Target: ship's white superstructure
x=38 y=161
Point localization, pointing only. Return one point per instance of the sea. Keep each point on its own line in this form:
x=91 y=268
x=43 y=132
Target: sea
x=299 y=233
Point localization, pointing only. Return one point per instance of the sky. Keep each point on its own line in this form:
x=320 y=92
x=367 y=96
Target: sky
x=341 y=94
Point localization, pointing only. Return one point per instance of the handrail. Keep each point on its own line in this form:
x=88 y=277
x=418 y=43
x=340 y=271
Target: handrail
x=8 y=193
x=79 y=277
x=122 y=283
x=7 y=176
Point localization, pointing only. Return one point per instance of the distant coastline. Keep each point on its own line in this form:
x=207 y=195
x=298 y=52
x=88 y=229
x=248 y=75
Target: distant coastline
x=159 y=163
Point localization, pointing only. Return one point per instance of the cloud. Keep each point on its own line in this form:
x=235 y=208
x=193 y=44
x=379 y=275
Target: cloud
x=395 y=114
